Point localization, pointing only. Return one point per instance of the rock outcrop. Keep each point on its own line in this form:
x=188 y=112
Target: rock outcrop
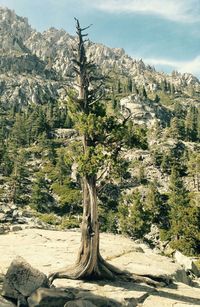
x=21 y=280
x=50 y=297
x=37 y=67
x=51 y=250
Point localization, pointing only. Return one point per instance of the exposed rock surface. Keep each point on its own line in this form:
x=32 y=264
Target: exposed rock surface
x=144 y=111
x=179 y=296
x=187 y=263
x=51 y=250
x=43 y=297
x=35 y=67
x=21 y=280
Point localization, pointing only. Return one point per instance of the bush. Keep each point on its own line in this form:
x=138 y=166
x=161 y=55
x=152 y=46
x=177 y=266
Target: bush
x=49 y=218
x=69 y=197
x=69 y=223
x=108 y=221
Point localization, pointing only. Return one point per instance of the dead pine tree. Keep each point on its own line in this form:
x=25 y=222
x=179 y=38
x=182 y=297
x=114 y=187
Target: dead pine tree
x=103 y=138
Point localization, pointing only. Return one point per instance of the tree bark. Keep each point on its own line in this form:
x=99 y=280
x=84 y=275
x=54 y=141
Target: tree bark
x=89 y=264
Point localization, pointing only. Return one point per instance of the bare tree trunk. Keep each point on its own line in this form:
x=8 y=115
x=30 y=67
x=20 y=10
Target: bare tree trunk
x=89 y=264
x=88 y=254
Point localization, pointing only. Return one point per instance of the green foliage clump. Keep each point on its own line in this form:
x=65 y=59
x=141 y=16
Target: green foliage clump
x=134 y=218
x=49 y=218
x=108 y=221
x=69 y=222
x=69 y=197
x=39 y=197
x=184 y=218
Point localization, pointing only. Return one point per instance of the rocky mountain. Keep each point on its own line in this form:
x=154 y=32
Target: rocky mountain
x=36 y=67
x=39 y=183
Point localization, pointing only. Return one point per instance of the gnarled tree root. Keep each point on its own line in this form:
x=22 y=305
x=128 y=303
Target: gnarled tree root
x=106 y=271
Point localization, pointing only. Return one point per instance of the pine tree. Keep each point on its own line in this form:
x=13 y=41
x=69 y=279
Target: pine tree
x=164 y=86
x=184 y=218
x=154 y=204
x=18 y=179
x=166 y=163
x=6 y=164
x=19 y=133
x=194 y=170
x=119 y=87
x=144 y=93
x=191 y=124
x=134 y=218
x=63 y=167
x=103 y=137
x=177 y=128
x=39 y=197
x=130 y=85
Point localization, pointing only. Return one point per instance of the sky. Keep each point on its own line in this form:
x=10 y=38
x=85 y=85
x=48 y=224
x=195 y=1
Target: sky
x=164 y=33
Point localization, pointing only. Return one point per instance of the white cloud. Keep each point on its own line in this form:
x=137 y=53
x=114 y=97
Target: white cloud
x=192 y=66
x=177 y=10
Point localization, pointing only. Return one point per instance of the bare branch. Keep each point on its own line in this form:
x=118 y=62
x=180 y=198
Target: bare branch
x=78 y=25
x=83 y=29
x=96 y=100
x=103 y=173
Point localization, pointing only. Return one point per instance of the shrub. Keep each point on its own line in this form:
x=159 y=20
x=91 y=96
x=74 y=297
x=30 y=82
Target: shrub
x=69 y=222
x=49 y=218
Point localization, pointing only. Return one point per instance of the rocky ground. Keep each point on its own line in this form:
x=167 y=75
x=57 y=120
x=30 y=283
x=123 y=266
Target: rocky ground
x=48 y=251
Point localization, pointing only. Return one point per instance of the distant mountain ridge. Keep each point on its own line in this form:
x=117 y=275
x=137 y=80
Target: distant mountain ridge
x=35 y=66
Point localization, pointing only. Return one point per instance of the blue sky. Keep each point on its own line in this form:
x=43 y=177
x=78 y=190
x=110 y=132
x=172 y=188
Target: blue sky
x=164 y=33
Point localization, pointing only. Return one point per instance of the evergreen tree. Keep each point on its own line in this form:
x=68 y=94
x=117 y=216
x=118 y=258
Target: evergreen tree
x=103 y=137
x=177 y=128
x=63 y=167
x=166 y=163
x=18 y=179
x=39 y=196
x=164 y=86
x=144 y=93
x=6 y=164
x=153 y=203
x=194 y=170
x=191 y=124
x=134 y=219
x=119 y=87
x=129 y=85
x=19 y=133
x=184 y=218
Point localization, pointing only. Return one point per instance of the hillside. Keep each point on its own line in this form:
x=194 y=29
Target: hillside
x=42 y=64
x=39 y=182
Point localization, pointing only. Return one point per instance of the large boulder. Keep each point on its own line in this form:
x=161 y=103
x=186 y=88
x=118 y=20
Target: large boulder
x=187 y=263
x=43 y=297
x=21 y=280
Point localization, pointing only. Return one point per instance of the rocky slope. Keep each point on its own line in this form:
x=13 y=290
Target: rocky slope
x=35 y=66
x=51 y=250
